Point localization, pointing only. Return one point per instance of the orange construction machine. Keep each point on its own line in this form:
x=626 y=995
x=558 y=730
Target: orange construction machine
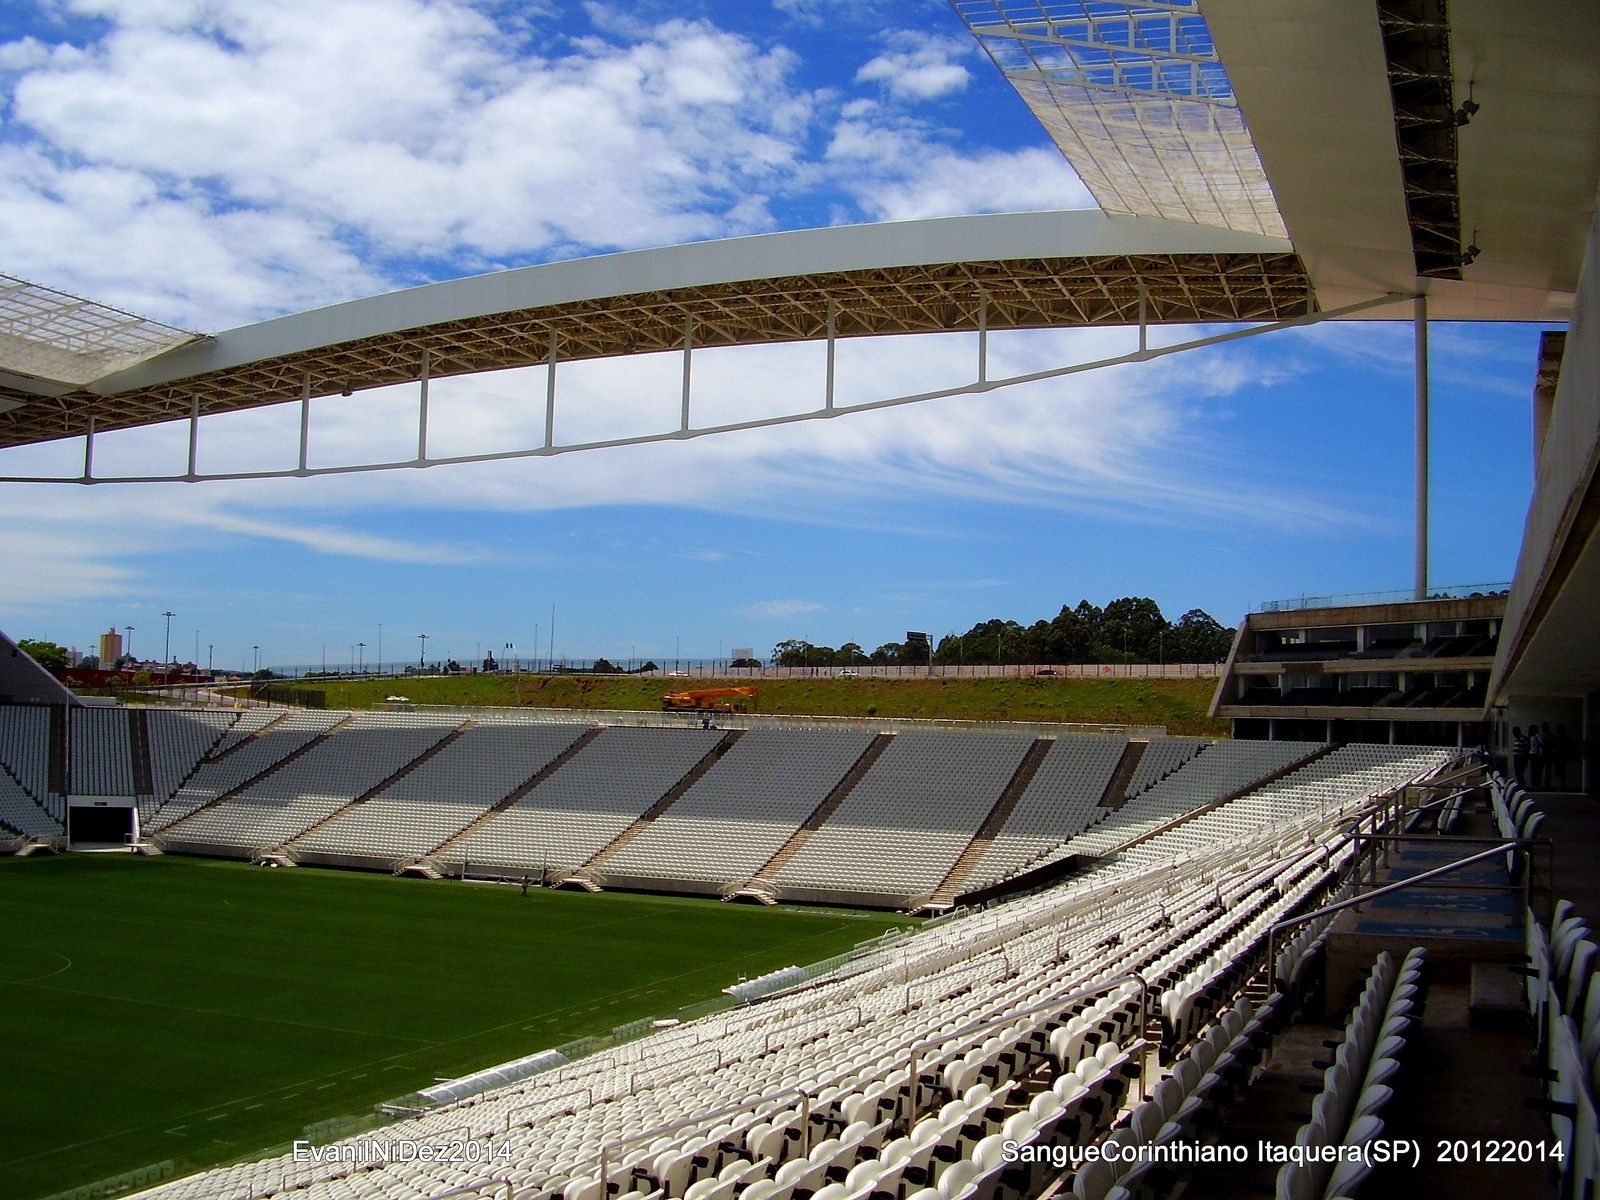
x=718 y=700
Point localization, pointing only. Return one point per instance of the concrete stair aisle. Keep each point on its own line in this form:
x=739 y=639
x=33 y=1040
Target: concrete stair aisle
x=432 y=859
x=1116 y=793
x=56 y=779
x=247 y=739
x=455 y=734
x=759 y=887
x=586 y=874
x=139 y=752
x=943 y=896
x=193 y=769
x=257 y=777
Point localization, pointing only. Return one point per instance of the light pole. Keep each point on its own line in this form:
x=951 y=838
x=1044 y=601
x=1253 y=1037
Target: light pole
x=127 y=647
x=257 y=668
x=361 y=658
x=210 y=650
x=380 y=647
x=422 y=658
x=166 y=652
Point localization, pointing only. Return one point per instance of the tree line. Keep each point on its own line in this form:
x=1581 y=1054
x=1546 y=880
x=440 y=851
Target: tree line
x=1131 y=629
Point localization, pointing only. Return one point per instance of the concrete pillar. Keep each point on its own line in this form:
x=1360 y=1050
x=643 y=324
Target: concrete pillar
x=1420 y=320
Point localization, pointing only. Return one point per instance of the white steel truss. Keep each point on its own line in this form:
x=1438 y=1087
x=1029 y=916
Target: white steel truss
x=685 y=429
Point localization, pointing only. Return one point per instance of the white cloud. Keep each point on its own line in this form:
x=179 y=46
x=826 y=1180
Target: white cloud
x=920 y=67
x=48 y=566
x=271 y=144
x=938 y=181
x=88 y=543
x=211 y=161
x=816 y=12
x=1126 y=443
x=778 y=610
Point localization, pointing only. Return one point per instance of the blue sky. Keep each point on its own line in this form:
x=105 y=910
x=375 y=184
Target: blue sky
x=215 y=162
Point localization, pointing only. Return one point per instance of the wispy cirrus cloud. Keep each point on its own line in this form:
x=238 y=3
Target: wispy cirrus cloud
x=779 y=610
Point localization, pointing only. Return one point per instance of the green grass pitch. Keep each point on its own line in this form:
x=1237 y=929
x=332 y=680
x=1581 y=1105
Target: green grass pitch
x=199 y=1010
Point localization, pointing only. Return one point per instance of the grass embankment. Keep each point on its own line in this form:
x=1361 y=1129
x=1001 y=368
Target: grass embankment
x=1179 y=704
x=196 y=1011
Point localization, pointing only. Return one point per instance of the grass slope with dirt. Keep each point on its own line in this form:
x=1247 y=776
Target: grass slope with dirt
x=1179 y=704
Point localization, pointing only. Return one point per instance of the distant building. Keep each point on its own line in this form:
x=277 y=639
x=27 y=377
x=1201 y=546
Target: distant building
x=110 y=646
x=1414 y=672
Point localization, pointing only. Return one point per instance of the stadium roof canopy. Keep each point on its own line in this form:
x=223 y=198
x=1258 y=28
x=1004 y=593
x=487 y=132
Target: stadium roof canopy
x=1403 y=146
x=1138 y=100
x=50 y=340
x=1025 y=270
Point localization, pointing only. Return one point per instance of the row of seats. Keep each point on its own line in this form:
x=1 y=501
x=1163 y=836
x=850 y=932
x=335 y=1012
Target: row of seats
x=1356 y=1085
x=100 y=753
x=1061 y=800
x=243 y=756
x=329 y=775
x=1563 y=991
x=737 y=816
x=419 y=812
x=1213 y=1070
x=23 y=815
x=25 y=753
x=179 y=740
x=606 y=786
x=926 y=796
x=1516 y=816
x=844 y=1043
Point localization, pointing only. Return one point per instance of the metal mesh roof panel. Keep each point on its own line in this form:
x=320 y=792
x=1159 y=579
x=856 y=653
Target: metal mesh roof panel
x=65 y=339
x=1138 y=101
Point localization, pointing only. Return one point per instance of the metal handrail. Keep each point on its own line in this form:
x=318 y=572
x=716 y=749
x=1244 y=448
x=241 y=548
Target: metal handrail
x=700 y=1119
x=472 y=1189
x=913 y=1082
x=1387 y=889
x=551 y=1104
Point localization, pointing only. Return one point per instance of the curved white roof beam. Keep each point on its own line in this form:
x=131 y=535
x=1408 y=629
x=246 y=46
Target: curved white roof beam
x=1008 y=271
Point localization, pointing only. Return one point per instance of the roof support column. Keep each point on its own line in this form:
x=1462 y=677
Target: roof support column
x=88 y=452
x=305 y=420
x=550 y=395
x=688 y=353
x=833 y=351
x=422 y=409
x=194 y=434
x=1144 y=317
x=1420 y=320
x=983 y=337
